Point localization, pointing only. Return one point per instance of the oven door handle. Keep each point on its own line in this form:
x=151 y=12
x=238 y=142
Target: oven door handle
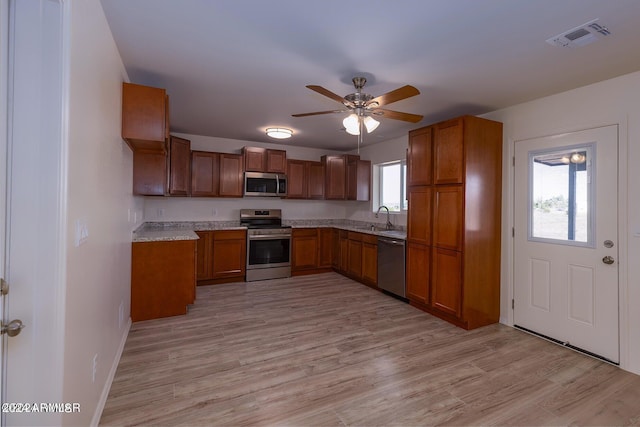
x=269 y=236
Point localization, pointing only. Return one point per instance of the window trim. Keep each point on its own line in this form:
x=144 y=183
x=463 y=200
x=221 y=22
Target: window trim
x=403 y=187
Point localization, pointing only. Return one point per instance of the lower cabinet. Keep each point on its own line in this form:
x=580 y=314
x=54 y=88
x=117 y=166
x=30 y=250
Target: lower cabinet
x=221 y=256
x=304 y=249
x=311 y=250
x=163 y=278
x=362 y=258
x=370 y=260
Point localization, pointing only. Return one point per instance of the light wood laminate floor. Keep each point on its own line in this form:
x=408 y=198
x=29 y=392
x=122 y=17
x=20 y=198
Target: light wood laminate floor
x=324 y=350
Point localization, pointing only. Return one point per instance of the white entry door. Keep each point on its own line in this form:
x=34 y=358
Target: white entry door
x=566 y=239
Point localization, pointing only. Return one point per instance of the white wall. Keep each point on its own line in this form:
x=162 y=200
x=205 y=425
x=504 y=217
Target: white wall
x=613 y=101
x=228 y=209
x=99 y=193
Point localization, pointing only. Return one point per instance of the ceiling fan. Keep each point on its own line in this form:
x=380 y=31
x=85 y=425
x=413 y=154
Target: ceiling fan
x=363 y=106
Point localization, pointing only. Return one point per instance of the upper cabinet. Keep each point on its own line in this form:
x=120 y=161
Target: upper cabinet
x=179 y=166
x=205 y=174
x=305 y=179
x=145 y=117
x=258 y=159
x=158 y=173
x=231 y=180
x=347 y=177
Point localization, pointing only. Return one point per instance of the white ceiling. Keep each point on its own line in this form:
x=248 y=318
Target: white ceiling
x=234 y=67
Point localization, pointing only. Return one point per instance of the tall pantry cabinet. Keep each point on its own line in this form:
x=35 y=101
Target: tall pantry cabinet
x=454 y=185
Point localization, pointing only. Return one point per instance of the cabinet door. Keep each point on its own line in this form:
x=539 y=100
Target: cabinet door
x=419 y=220
x=230 y=175
x=315 y=180
x=179 y=166
x=370 y=263
x=276 y=161
x=335 y=177
x=335 y=250
x=419 y=168
x=229 y=253
x=326 y=247
x=149 y=173
x=417 y=269
x=204 y=250
x=354 y=268
x=144 y=117
x=205 y=174
x=446 y=281
x=344 y=251
x=448 y=162
x=358 y=179
x=447 y=217
x=255 y=159
x=296 y=179
x=163 y=278
x=304 y=250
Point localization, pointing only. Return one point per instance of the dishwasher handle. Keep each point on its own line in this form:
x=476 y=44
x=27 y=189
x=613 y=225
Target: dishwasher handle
x=391 y=242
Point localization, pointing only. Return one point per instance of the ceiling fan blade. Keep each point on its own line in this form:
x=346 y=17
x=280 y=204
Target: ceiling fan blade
x=318 y=112
x=328 y=94
x=397 y=115
x=394 y=96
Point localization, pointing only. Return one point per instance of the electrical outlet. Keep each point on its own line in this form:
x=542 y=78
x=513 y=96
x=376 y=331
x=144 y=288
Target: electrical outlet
x=160 y=212
x=214 y=212
x=94 y=368
x=129 y=215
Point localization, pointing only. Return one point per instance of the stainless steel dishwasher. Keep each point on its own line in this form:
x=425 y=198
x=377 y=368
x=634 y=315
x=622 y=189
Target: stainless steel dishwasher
x=391 y=254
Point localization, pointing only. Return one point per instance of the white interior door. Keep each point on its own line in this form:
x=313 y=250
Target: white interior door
x=35 y=205
x=4 y=61
x=566 y=239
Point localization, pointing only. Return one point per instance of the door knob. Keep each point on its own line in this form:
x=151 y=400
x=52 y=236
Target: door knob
x=13 y=328
x=608 y=259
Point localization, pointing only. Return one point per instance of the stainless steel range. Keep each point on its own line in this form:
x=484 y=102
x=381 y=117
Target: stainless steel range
x=268 y=244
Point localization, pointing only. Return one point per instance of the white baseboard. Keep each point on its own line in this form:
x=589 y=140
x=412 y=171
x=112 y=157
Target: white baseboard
x=112 y=373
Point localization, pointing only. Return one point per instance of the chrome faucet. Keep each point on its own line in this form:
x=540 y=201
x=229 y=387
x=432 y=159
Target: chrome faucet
x=388 y=225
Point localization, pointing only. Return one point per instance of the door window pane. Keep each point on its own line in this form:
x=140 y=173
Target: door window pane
x=560 y=195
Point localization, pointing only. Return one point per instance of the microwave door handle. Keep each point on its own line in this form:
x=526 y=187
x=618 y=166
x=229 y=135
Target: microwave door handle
x=277 y=185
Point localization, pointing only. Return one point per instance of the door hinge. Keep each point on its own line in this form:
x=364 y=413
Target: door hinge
x=513 y=232
x=513 y=304
x=513 y=161
x=4 y=287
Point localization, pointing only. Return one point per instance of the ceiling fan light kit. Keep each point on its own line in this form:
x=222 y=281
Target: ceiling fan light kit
x=279 y=133
x=362 y=105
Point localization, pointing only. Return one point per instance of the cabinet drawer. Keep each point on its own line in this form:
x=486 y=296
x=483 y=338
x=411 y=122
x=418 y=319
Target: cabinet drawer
x=229 y=235
x=354 y=235
x=304 y=232
x=369 y=238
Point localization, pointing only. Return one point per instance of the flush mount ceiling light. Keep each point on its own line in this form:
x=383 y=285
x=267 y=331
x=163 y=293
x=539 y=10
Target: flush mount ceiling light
x=279 y=133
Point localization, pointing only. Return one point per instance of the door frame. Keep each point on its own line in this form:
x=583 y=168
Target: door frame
x=508 y=274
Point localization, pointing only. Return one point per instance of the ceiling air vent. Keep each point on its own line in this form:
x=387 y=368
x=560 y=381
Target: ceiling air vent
x=580 y=36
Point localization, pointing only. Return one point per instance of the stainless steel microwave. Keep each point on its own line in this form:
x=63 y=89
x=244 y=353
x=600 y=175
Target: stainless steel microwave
x=265 y=184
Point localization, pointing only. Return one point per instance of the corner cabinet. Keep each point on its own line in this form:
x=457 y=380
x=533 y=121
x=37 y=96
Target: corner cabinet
x=454 y=185
x=221 y=256
x=159 y=173
x=347 y=177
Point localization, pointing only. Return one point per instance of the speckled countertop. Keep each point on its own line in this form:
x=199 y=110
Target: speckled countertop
x=185 y=230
